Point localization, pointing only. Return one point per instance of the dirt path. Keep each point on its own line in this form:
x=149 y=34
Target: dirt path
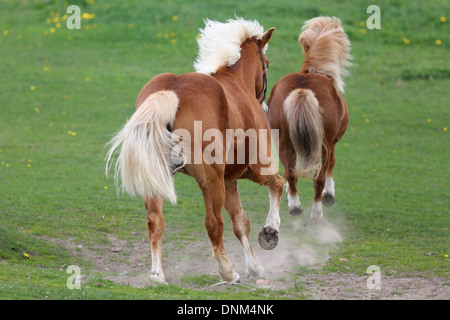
x=129 y=264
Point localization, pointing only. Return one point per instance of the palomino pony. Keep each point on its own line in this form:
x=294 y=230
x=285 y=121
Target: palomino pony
x=310 y=113
x=176 y=118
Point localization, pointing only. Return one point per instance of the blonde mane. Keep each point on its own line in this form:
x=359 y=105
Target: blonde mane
x=326 y=48
x=220 y=43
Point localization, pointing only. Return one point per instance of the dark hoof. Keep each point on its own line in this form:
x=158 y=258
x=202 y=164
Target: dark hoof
x=296 y=211
x=268 y=238
x=327 y=200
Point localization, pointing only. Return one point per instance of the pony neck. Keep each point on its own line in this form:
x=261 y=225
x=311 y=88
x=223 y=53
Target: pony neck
x=244 y=70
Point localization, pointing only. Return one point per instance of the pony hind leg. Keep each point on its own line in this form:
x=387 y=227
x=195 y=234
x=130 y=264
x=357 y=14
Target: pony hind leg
x=328 y=194
x=213 y=190
x=241 y=228
x=292 y=194
x=288 y=159
x=319 y=184
x=155 y=229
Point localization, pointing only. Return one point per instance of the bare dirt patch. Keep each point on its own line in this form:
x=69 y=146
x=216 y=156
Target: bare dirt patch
x=346 y=286
x=129 y=263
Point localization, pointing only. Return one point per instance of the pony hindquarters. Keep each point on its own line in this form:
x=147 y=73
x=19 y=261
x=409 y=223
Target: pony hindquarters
x=144 y=163
x=304 y=120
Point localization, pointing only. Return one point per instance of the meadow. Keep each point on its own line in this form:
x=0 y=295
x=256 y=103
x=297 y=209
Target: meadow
x=64 y=93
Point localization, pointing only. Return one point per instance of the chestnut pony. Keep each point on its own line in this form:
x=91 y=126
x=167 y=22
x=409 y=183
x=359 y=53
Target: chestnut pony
x=308 y=109
x=176 y=119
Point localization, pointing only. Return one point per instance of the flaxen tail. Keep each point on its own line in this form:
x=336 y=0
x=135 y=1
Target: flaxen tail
x=326 y=48
x=144 y=145
x=304 y=119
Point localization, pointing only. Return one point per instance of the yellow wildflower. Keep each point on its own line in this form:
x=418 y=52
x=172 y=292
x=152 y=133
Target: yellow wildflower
x=443 y=19
x=32 y=88
x=88 y=16
x=175 y=18
x=5 y=32
x=438 y=42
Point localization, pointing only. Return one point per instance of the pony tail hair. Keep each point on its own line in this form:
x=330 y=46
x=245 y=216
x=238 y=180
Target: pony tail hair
x=144 y=146
x=303 y=115
x=326 y=48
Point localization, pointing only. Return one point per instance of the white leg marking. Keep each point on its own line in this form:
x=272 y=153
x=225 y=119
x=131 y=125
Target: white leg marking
x=273 y=218
x=293 y=201
x=317 y=211
x=157 y=273
x=329 y=186
x=252 y=264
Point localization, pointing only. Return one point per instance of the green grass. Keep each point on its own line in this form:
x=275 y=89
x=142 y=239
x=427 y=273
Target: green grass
x=64 y=94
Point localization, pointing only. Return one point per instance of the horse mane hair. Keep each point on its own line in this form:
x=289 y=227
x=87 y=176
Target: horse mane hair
x=220 y=43
x=326 y=48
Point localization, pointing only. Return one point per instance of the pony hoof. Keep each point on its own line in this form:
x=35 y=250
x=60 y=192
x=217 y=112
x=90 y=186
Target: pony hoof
x=295 y=211
x=268 y=238
x=327 y=199
x=157 y=278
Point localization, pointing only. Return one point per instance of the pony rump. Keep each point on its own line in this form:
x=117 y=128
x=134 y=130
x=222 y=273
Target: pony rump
x=302 y=112
x=326 y=48
x=145 y=145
